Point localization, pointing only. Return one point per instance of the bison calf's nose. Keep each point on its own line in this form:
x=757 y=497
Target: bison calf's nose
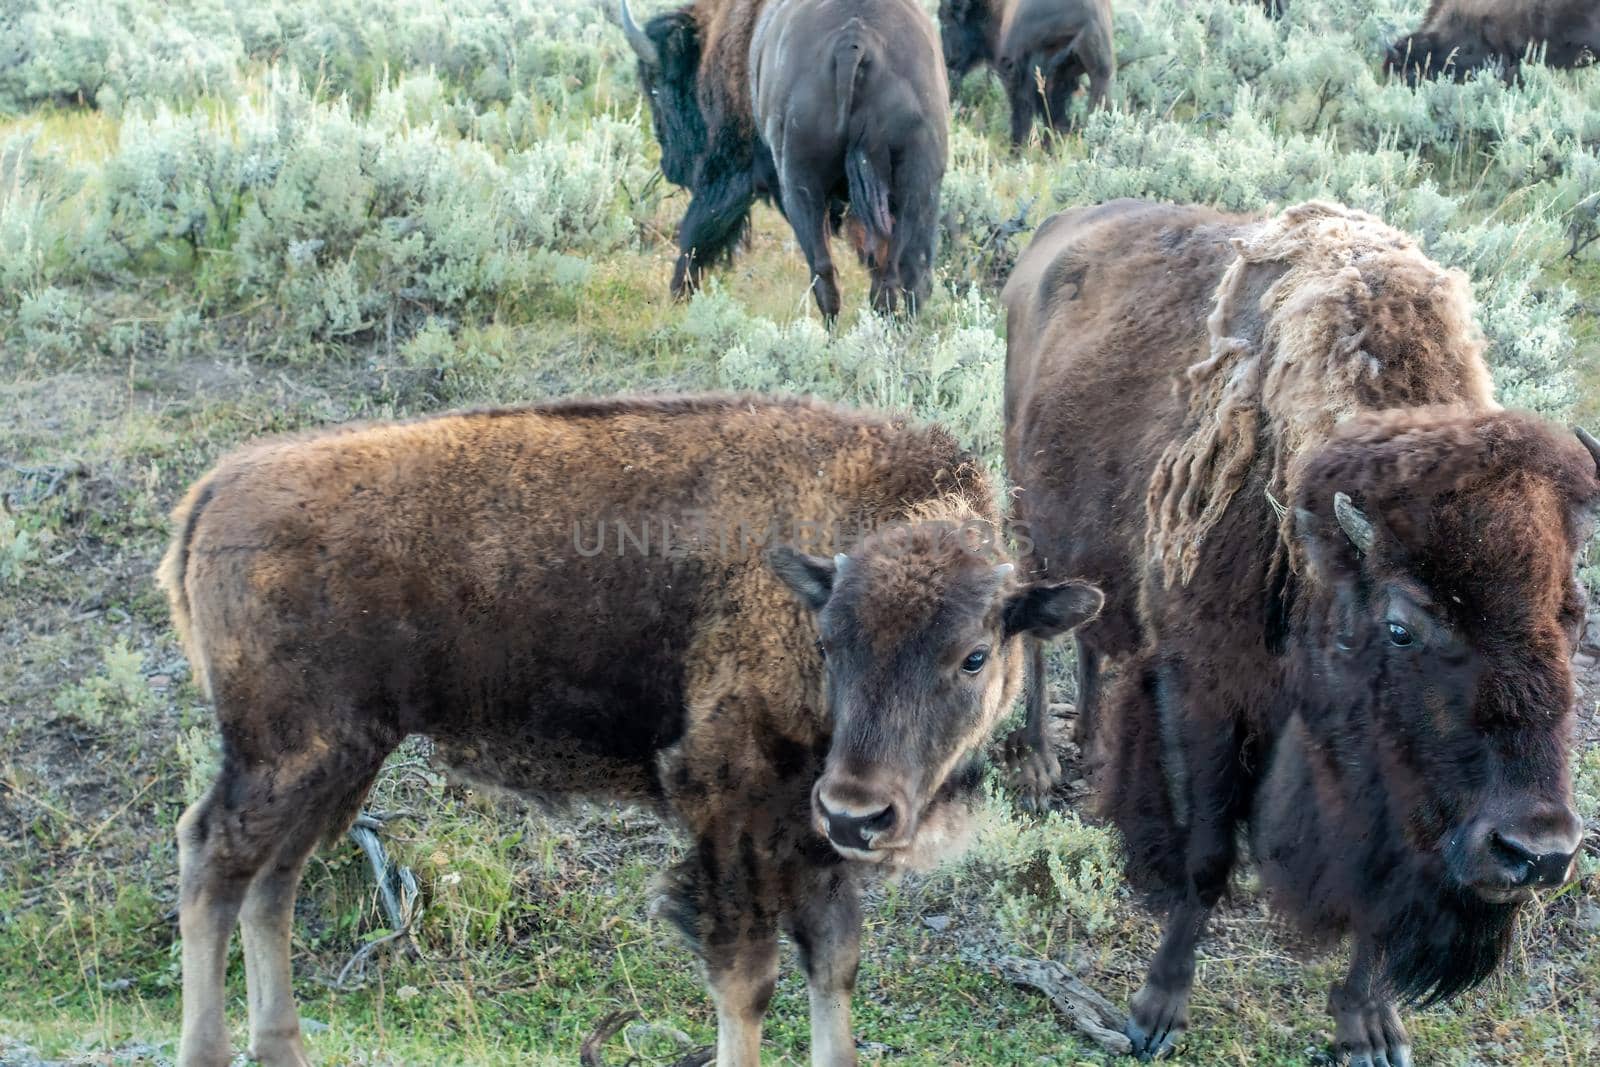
x=849 y=830
x=856 y=819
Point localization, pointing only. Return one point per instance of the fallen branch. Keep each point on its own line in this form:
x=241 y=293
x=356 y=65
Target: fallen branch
x=698 y=1058
x=397 y=893
x=604 y=1030
x=1092 y=1015
x=397 y=886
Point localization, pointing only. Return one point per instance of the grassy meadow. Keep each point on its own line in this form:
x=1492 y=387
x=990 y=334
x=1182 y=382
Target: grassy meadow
x=219 y=221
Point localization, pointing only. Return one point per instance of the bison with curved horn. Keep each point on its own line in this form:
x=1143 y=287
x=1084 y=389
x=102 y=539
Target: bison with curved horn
x=1464 y=35
x=826 y=105
x=1339 y=583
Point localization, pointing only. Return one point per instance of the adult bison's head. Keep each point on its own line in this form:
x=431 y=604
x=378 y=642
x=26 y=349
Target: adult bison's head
x=920 y=629
x=668 y=50
x=966 y=31
x=1437 y=614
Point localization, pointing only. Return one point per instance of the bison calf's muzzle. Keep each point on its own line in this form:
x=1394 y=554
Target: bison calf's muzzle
x=861 y=821
x=1503 y=860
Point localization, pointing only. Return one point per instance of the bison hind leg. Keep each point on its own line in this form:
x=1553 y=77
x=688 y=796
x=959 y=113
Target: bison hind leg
x=241 y=849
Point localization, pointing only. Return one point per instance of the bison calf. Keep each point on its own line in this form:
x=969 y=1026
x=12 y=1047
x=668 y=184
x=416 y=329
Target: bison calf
x=1029 y=42
x=827 y=104
x=1338 y=577
x=570 y=600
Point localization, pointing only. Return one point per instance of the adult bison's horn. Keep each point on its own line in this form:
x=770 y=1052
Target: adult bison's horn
x=643 y=46
x=1356 y=526
x=1592 y=445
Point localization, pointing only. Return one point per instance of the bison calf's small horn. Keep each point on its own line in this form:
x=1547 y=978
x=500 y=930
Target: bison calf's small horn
x=339 y=592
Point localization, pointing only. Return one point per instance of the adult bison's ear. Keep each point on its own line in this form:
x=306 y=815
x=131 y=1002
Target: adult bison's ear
x=811 y=577
x=1050 y=609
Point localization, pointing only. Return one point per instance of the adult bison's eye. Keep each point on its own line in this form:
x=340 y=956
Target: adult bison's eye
x=822 y=649
x=974 y=663
x=1399 y=636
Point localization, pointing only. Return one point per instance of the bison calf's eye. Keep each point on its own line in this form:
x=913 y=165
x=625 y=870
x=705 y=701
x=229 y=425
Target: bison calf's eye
x=1399 y=636
x=974 y=663
x=822 y=649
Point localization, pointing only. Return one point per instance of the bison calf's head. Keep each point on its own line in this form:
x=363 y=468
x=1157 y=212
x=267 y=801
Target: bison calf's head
x=1441 y=612
x=668 y=50
x=921 y=638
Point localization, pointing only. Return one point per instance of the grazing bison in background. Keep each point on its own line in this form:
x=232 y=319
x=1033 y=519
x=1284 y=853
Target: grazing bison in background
x=821 y=103
x=1024 y=40
x=1338 y=574
x=1464 y=35
x=570 y=599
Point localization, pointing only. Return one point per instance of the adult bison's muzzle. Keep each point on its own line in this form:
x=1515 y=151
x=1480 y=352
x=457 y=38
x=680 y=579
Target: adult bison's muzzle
x=1503 y=858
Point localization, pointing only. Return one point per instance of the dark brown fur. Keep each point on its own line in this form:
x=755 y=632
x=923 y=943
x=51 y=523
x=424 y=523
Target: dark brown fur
x=1180 y=392
x=1022 y=40
x=1464 y=35
x=818 y=104
x=449 y=577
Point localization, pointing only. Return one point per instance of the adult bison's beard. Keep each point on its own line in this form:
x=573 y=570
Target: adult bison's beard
x=1442 y=943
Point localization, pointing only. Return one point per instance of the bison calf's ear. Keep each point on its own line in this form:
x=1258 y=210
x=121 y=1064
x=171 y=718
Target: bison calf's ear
x=811 y=577
x=1050 y=610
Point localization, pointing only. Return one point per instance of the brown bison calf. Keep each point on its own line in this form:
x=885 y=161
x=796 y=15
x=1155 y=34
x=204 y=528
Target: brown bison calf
x=1029 y=41
x=1338 y=577
x=1464 y=35
x=569 y=600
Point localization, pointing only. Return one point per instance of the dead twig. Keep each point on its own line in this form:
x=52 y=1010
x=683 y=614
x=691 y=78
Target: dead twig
x=1092 y=1015
x=698 y=1058
x=604 y=1030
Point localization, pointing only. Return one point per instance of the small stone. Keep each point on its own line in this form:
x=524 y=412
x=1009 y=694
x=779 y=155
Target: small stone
x=1589 y=915
x=160 y=682
x=937 y=923
x=313 y=1026
x=407 y=992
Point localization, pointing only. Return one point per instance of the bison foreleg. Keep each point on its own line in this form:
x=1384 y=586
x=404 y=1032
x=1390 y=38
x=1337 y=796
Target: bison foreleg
x=742 y=980
x=1030 y=753
x=827 y=930
x=723 y=193
x=1200 y=762
x=1367 y=1031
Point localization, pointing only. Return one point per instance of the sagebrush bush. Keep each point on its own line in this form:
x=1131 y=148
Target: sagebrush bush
x=118 y=693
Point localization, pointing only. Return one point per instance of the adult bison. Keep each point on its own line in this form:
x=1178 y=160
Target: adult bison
x=1464 y=35
x=823 y=103
x=1338 y=574
x=1028 y=42
x=572 y=599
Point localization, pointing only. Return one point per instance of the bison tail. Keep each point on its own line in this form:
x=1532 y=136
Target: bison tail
x=172 y=577
x=869 y=197
x=848 y=56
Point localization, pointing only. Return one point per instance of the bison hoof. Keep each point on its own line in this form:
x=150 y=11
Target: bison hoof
x=1156 y=1021
x=1033 y=769
x=1372 y=1036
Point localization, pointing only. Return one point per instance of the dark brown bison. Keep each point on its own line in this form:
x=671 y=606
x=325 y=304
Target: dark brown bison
x=1338 y=577
x=572 y=599
x=1464 y=35
x=1039 y=48
x=823 y=104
